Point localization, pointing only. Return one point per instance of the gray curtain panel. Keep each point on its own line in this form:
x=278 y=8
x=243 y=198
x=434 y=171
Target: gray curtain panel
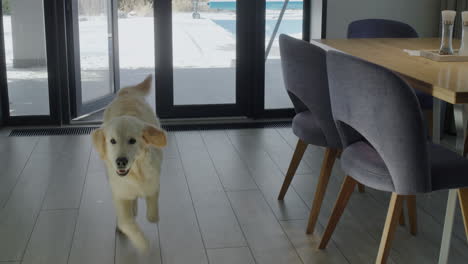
x=459 y=6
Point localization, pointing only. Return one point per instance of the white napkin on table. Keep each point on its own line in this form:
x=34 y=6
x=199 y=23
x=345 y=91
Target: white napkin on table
x=413 y=52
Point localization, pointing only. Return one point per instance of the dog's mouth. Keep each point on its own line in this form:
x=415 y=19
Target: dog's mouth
x=122 y=172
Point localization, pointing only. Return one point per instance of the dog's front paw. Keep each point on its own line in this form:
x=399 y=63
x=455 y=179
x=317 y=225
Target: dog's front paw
x=153 y=217
x=141 y=245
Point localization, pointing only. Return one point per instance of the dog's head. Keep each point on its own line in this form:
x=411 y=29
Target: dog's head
x=124 y=138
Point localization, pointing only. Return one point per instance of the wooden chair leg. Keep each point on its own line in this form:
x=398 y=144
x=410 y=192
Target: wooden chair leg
x=347 y=188
x=412 y=214
x=361 y=188
x=296 y=159
x=463 y=198
x=325 y=172
x=338 y=156
x=394 y=210
x=402 y=216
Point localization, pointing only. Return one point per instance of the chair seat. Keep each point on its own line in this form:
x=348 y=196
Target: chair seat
x=362 y=162
x=305 y=127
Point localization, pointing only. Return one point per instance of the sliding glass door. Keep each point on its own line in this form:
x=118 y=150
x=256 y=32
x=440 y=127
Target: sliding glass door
x=197 y=71
x=281 y=17
x=92 y=41
x=223 y=56
x=204 y=53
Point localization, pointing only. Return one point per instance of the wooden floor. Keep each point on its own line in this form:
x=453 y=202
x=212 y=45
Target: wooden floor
x=218 y=205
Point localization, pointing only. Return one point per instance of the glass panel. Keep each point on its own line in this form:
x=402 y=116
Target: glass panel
x=94 y=49
x=25 y=56
x=136 y=43
x=291 y=24
x=204 y=51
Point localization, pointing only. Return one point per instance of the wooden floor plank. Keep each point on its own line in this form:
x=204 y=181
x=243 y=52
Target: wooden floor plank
x=19 y=215
x=272 y=142
x=14 y=153
x=268 y=177
x=95 y=164
x=268 y=242
x=230 y=256
x=306 y=245
x=94 y=238
x=180 y=236
x=171 y=151
x=217 y=221
x=63 y=144
x=232 y=171
x=66 y=186
x=51 y=239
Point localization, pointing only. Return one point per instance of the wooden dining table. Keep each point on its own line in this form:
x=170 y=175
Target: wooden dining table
x=447 y=82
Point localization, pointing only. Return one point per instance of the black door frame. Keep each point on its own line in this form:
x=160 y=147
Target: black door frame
x=77 y=108
x=250 y=65
x=55 y=75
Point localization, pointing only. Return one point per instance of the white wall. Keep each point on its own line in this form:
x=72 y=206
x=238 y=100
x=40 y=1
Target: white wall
x=423 y=15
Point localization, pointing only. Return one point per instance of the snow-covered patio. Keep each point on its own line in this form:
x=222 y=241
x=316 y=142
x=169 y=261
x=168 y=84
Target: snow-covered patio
x=203 y=51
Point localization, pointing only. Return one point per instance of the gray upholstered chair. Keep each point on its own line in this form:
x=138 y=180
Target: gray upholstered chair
x=384 y=28
x=305 y=77
x=381 y=126
x=380 y=28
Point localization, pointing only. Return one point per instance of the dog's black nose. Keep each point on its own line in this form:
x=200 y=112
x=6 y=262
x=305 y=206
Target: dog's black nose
x=121 y=162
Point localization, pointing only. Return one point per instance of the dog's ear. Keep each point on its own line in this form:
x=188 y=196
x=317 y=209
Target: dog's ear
x=99 y=142
x=145 y=86
x=146 y=83
x=154 y=136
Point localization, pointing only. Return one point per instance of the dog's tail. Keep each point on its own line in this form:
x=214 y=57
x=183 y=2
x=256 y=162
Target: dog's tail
x=141 y=89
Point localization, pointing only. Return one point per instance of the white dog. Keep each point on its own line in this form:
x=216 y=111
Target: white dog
x=130 y=142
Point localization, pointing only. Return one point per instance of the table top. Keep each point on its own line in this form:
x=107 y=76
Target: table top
x=447 y=81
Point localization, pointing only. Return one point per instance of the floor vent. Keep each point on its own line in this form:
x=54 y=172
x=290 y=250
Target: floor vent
x=191 y=127
x=65 y=131
x=61 y=131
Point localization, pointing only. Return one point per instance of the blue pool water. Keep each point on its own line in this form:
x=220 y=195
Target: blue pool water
x=286 y=27
x=231 y=5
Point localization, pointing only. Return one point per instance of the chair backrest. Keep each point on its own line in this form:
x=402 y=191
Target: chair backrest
x=372 y=104
x=305 y=77
x=380 y=28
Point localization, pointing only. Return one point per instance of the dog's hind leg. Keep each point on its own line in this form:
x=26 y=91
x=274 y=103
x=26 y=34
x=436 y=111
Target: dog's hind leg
x=126 y=224
x=152 y=207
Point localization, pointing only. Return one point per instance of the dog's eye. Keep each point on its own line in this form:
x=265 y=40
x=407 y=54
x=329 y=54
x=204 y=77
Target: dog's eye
x=132 y=141
x=113 y=141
